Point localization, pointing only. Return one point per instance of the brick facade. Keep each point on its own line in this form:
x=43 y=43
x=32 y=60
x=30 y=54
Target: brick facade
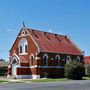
x=23 y=68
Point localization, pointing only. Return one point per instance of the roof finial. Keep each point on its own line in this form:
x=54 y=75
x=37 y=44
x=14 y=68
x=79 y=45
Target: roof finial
x=24 y=24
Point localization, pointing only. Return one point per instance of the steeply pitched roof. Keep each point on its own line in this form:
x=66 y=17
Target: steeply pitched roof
x=87 y=59
x=49 y=42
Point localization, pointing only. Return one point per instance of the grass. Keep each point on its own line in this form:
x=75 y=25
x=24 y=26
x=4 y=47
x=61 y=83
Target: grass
x=2 y=81
x=48 y=80
x=38 y=80
x=86 y=78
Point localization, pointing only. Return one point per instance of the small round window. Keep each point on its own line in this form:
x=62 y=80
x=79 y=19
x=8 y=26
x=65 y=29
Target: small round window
x=23 y=33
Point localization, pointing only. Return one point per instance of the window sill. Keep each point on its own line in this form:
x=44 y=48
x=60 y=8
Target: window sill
x=22 y=53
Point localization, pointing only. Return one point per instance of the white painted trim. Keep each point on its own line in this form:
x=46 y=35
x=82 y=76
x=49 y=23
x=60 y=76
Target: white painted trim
x=23 y=32
x=24 y=42
x=78 y=58
x=31 y=61
x=16 y=57
x=38 y=58
x=68 y=59
x=35 y=66
x=22 y=53
x=9 y=66
x=51 y=66
x=41 y=66
x=45 y=55
x=58 y=59
x=27 y=76
x=23 y=35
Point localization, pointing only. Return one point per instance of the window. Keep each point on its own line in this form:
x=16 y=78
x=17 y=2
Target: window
x=14 y=60
x=23 y=46
x=31 y=59
x=20 y=49
x=57 y=60
x=78 y=58
x=45 y=58
x=22 y=32
x=68 y=60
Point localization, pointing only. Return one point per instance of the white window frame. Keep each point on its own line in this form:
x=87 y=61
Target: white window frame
x=23 y=42
x=58 y=59
x=17 y=59
x=68 y=59
x=78 y=59
x=23 y=32
x=31 y=55
x=45 y=55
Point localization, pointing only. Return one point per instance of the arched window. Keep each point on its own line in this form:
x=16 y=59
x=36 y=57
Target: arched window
x=78 y=59
x=45 y=58
x=23 y=46
x=31 y=59
x=14 y=60
x=68 y=59
x=57 y=60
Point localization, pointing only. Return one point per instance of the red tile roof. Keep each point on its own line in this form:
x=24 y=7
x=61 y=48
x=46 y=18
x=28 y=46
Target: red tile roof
x=87 y=59
x=49 y=42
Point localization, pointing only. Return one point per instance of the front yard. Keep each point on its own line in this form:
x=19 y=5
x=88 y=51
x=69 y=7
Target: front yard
x=3 y=80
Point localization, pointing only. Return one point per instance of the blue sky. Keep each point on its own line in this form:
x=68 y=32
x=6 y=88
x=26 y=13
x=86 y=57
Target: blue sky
x=69 y=17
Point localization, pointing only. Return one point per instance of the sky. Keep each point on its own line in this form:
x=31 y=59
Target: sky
x=66 y=17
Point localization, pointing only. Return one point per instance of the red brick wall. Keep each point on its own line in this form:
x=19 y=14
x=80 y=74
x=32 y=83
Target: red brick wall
x=53 y=55
x=26 y=71
x=54 y=72
x=32 y=48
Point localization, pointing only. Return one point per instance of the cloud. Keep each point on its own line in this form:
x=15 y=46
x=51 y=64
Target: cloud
x=9 y=30
x=50 y=30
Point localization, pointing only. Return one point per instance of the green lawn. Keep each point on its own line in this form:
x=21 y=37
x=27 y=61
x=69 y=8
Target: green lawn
x=48 y=80
x=1 y=81
x=38 y=80
x=86 y=78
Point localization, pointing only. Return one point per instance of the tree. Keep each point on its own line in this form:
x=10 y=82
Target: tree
x=74 y=70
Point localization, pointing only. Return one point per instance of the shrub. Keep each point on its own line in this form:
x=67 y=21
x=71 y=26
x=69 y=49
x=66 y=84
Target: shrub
x=74 y=70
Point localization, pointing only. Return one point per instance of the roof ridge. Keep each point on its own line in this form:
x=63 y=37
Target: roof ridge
x=46 y=32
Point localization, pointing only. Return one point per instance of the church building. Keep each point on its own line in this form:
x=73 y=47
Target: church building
x=38 y=54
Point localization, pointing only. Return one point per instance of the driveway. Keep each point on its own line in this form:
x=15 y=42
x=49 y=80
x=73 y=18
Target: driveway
x=65 y=85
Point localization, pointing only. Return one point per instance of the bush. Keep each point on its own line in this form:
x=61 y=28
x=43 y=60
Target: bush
x=74 y=70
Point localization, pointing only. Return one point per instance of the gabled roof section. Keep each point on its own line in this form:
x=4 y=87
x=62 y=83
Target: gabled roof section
x=19 y=57
x=54 y=43
x=19 y=35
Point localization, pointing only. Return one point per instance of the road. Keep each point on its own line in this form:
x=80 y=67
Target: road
x=67 y=85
